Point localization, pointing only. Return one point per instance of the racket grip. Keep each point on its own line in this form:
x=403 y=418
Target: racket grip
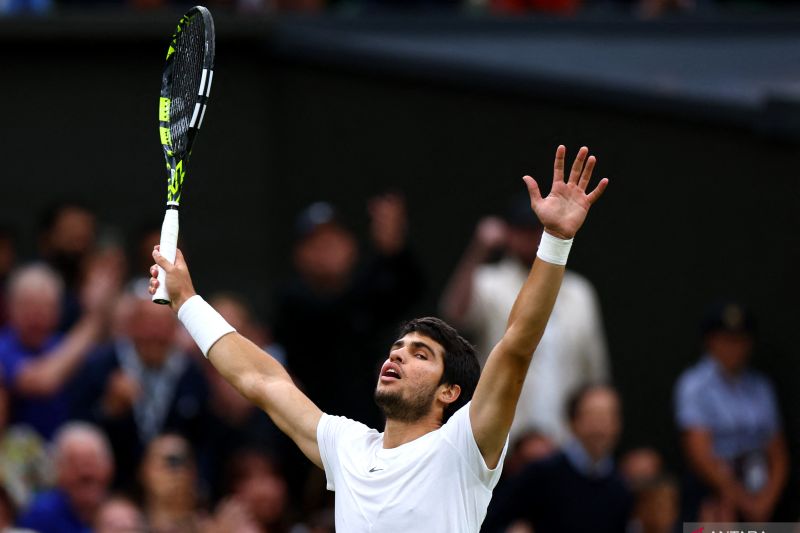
x=169 y=246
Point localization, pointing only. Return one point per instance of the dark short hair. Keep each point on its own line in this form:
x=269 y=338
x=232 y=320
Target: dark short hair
x=461 y=365
x=578 y=395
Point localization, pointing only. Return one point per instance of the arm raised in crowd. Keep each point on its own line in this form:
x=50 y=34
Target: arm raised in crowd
x=47 y=374
x=254 y=373
x=490 y=235
x=562 y=213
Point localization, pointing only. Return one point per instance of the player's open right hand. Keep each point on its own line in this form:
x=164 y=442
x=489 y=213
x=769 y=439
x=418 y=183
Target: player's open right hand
x=179 y=282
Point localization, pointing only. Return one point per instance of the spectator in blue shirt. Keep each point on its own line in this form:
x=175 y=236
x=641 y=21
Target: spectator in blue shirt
x=84 y=467
x=36 y=361
x=731 y=428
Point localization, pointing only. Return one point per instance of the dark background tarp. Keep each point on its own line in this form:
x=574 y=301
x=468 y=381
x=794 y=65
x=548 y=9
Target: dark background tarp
x=693 y=122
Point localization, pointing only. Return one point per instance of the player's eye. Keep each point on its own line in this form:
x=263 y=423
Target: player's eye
x=421 y=356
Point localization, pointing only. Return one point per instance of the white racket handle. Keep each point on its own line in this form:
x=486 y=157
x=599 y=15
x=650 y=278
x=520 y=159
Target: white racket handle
x=169 y=247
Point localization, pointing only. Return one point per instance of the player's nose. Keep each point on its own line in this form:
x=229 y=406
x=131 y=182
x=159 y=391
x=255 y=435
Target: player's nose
x=396 y=355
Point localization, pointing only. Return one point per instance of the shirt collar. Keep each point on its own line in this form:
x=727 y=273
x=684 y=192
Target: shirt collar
x=713 y=365
x=577 y=456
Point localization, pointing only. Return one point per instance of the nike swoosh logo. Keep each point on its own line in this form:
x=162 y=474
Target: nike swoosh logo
x=373 y=469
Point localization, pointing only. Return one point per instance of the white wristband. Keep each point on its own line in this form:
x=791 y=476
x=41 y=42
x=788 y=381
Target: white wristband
x=553 y=250
x=203 y=323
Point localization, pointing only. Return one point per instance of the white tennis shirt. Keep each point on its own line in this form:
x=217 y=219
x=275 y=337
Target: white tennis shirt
x=436 y=483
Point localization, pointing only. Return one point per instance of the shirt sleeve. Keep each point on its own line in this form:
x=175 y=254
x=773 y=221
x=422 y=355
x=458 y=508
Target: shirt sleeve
x=690 y=409
x=11 y=362
x=333 y=434
x=458 y=432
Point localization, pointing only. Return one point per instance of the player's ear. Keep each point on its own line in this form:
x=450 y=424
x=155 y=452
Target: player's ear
x=449 y=393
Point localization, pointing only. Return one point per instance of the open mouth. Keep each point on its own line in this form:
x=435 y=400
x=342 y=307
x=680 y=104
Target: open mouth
x=390 y=372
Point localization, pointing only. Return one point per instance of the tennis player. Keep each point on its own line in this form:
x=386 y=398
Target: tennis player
x=428 y=471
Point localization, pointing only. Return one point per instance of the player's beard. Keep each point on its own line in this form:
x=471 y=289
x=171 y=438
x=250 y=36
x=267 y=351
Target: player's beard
x=396 y=407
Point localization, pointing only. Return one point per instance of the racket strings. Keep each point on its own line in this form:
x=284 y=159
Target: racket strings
x=186 y=72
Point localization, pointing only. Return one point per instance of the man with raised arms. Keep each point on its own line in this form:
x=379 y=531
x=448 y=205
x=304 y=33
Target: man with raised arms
x=440 y=455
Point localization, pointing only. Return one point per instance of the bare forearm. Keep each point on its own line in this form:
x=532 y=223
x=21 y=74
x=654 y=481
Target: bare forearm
x=708 y=467
x=532 y=308
x=246 y=366
x=498 y=390
x=711 y=472
x=48 y=374
x=251 y=371
x=778 y=458
x=263 y=381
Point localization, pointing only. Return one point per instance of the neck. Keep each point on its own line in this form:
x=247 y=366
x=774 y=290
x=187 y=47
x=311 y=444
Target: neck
x=594 y=456
x=731 y=372
x=587 y=462
x=398 y=432
x=596 y=459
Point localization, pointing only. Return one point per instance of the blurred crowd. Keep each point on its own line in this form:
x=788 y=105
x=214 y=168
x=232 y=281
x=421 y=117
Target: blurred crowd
x=111 y=419
x=644 y=9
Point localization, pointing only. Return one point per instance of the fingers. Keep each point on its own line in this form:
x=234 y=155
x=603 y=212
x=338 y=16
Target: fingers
x=598 y=191
x=577 y=166
x=177 y=277
x=160 y=260
x=533 y=189
x=153 y=280
x=558 y=166
x=153 y=285
x=587 y=173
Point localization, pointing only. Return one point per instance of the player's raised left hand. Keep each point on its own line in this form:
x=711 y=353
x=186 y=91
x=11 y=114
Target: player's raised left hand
x=564 y=210
x=179 y=282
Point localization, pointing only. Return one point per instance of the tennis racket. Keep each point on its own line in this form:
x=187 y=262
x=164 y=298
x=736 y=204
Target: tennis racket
x=185 y=88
